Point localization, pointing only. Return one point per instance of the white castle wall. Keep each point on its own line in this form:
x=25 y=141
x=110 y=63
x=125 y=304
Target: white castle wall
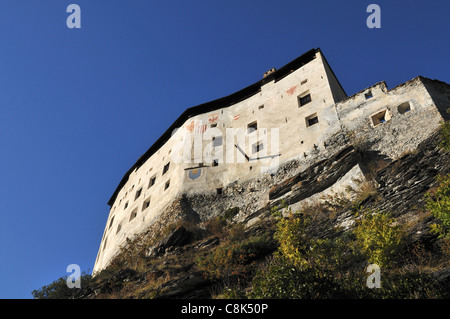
x=283 y=129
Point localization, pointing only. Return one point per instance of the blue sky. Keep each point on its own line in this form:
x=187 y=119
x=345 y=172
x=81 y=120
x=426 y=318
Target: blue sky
x=79 y=106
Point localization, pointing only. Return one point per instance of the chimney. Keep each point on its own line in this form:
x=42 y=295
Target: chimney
x=269 y=72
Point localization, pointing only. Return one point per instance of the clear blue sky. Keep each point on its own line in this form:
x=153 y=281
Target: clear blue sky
x=79 y=106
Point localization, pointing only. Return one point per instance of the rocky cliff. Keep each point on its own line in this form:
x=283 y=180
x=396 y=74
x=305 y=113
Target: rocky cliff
x=180 y=255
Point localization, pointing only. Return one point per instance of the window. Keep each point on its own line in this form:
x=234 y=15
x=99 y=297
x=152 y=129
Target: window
x=152 y=181
x=138 y=193
x=252 y=127
x=304 y=99
x=257 y=147
x=213 y=125
x=167 y=185
x=379 y=118
x=215 y=162
x=133 y=214
x=217 y=141
x=219 y=191
x=126 y=205
x=368 y=95
x=303 y=82
x=146 y=204
x=111 y=223
x=260 y=107
x=311 y=120
x=404 y=107
x=166 y=168
x=119 y=227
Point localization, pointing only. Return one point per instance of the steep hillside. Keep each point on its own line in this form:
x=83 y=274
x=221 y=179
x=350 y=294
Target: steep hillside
x=285 y=250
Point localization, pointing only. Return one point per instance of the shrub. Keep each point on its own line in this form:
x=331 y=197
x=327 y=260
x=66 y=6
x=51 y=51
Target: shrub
x=58 y=289
x=445 y=134
x=378 y=239
x=282 y=280
x=439 y=205
x=233 y=259
x=292 y=238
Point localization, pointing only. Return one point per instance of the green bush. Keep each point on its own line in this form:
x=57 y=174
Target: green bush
x=232 y=259
x=445 y=134
x=439 y=205
x=58 y=289
x=292 y=238
x=378 y=239
x=282 y=280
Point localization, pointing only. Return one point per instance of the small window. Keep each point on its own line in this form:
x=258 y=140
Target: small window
x=379 y=118
x=213 y=125
x=252 y=127
x=152 y=181
x=126 y=205
x=368 y=95
x=311 y=120
x=146 y=204
x=119 y=227
x=404 y=107
x=303 y=82
x=166 y=168
x=167 y=185
x=219 y=191
x=133 y=214
x=111 y=223
x=217 y=141
x=257 y=147
x=215 y=162
x=303 y=100
x=260 y=107
x=138 y=193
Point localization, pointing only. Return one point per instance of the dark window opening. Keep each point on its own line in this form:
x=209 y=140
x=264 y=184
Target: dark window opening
x=304 y=100
x=257 y=147
x=215 y=162
x=166 y=168
x=219 y=191
x=311 y=120
x=252 y=127
x=379 y=118
x=404 y=107
x=119 y=227
x=368 y=95
x=138 y=193
x=152 y=181
x=111 y=223
x=133 y=214
x=167 y=185
x=126 y=205
x=146 y=204
x=217 y=141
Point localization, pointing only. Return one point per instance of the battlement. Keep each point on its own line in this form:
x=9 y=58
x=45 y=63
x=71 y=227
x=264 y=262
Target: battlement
x=297 y=114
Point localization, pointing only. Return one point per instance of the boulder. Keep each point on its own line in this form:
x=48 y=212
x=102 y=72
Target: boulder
x=177 y=238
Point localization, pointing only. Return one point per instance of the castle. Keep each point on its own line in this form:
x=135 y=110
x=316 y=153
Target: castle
x=229 y=152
